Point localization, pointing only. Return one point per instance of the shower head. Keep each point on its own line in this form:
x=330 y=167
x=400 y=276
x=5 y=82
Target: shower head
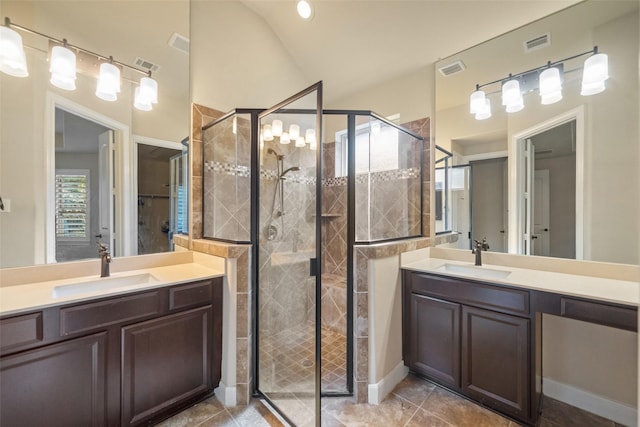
x=274 y=152
x=291 y=169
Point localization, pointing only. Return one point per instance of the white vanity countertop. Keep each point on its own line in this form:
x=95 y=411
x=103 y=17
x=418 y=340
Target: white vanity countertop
x=38 y=295
x=595 y=288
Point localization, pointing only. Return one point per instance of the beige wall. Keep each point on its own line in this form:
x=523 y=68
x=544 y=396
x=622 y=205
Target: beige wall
x=229 y=36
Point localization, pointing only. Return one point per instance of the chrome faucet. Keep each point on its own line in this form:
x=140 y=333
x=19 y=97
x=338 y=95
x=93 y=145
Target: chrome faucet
x=478 y=247
x=105 y=259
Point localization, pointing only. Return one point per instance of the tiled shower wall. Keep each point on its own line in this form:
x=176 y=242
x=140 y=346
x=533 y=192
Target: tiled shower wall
x=227 y=180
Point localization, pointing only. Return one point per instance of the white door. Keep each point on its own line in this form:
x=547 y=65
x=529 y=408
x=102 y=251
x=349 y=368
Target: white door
x=106 y=170
x=527 y=198
x=540 y=218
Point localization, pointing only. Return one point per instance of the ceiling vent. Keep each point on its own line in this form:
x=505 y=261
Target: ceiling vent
x=536 y=43
x=146 y=65
x=179 y=42
x=453 y=68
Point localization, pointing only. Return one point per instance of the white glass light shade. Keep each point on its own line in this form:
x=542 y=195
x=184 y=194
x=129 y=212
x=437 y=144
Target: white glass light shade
x=267 y=133
x=234 y=125
x=276 y=127
x=300 y=142
x=485 y=112
x=550 y=86
x=63 y=68
x=596 y=71
x=310 y=136
x=108 y=82
x=139 y=101
x=12 y=58
x=313 y=146
x=511 y=96
x=284 y=138
x=146 y=94
x=294 y=132
x=305 y=10
x=476 y=101
x=149 y=89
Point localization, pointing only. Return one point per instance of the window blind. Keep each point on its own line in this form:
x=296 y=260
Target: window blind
x=72 y=204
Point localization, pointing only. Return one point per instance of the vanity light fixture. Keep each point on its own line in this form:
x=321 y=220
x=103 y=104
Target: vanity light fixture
x=275 y=131
x=547 y=79
x=63 y=66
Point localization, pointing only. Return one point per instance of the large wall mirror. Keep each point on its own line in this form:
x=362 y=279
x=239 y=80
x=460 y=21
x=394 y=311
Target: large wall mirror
x=56 y=144
x=558 y=179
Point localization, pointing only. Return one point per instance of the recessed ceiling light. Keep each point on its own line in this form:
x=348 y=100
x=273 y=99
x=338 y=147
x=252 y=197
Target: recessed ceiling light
x=305 y=10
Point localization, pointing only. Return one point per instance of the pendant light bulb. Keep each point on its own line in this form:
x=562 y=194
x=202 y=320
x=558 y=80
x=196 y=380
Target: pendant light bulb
x=485 y=112
x=284 y=138
x=267 y=133
x=276 y=128
x=310 y=136
x=294 y=132
x=13 y=60
x=476 y=101
x=108 y=82
x=63 y=68
x=550 y=86
x=511 y=96
x=596 y=71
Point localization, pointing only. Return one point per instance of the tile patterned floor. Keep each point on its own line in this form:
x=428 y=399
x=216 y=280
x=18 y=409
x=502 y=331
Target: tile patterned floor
x=287 y=361
x=413 y=403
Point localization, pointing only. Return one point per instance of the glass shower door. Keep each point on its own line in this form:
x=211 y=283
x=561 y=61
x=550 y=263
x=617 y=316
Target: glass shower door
x=288 y=238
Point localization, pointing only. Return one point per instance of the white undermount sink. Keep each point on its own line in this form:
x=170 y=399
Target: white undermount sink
x=474 y=271
x=102 y=284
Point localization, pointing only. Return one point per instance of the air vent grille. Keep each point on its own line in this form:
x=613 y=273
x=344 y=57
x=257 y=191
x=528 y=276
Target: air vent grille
x=146 y=65
x=453 y=68
x=537 y=43
x=179 y=42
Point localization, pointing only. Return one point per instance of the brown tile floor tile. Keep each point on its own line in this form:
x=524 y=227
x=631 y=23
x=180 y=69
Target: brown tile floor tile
x=560 y=414
x=393 y=411
x=461 y=412
x=424 y=418
x=413 y=403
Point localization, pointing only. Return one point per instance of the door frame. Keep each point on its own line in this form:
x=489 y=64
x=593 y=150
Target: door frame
x=516 y=179
x=123 y=180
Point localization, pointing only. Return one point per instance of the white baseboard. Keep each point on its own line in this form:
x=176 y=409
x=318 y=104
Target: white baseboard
x=380 y=390
x=226 y=395
x=616 y=411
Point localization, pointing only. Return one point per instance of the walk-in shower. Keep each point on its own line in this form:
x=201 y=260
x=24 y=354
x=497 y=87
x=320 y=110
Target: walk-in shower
x=305 y=205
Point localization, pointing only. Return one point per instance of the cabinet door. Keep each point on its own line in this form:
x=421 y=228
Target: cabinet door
x=495 y=360
x=435 y=339
x=165 y=362
x=61 y=384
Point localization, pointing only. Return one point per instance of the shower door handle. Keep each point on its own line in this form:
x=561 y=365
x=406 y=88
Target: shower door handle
x=313 y=266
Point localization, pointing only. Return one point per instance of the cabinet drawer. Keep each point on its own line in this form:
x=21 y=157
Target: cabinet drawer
x=596 y=312
x=108 y=312
x=20 y=331
x=191 y=294
x=495 y=298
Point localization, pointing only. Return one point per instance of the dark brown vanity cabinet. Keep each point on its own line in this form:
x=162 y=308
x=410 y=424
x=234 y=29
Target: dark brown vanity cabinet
x=125 y=360
x=465 y=336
